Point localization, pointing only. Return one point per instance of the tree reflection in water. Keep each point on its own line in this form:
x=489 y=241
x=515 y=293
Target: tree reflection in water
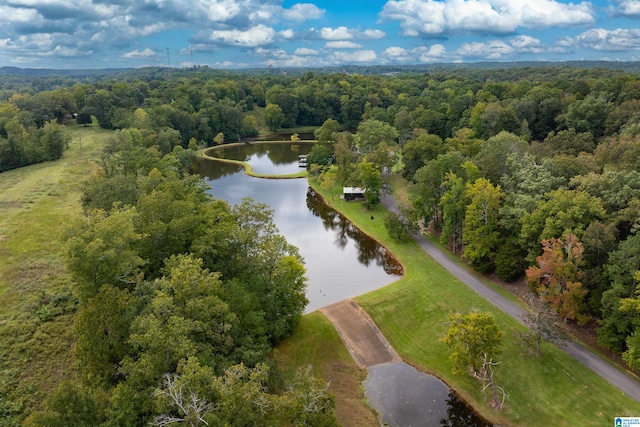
x=369 y=251
x=460 y=415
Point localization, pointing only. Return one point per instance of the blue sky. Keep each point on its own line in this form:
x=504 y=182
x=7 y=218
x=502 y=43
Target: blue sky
x=262 y=33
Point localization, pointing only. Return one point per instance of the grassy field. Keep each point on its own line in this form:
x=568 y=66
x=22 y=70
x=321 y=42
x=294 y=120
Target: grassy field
x=36 y=300
x=412 y=313
x=316 y=342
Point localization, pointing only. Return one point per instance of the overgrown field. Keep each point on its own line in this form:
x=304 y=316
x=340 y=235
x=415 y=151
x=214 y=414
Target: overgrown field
x=316 y=342
x=552 y=389
x=36 y=298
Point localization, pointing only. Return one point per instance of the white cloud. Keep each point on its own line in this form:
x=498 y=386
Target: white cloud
x=359 y=56
x=340 y=33
x=256 y=36
x=432 y=18
x=343 y=33
x=342 y=44
x=434 y=53
x=424 y=54
x=288 y=34
x=302 y=11
x=499 y=49
x=304 y=51
x=495 y=49
x=138 y=54
x=628 y=8
x=599 y=39
x=528 y=44
x=66 y=52
x=370 y=33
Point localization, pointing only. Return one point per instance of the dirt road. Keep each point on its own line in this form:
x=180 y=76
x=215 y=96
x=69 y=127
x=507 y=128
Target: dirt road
x=360 y=335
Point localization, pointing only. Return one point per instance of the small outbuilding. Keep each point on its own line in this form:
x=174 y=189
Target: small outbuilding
x=353 y=193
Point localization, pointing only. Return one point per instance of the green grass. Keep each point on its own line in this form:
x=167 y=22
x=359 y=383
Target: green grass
x=36 y=204
x=315 y=342
x=412 y=313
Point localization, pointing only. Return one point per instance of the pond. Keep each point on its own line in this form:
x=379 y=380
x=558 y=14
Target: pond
x=341 y=262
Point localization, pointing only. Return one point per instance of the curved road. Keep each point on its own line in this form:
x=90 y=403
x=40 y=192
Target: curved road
x=609 y=372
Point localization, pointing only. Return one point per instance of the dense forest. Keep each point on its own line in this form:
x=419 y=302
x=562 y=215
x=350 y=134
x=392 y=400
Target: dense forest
x=522 y=171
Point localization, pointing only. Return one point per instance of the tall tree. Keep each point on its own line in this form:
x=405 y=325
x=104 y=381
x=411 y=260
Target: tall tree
x=101 y=251
x=557 y=277
x=273 y=117
x=481 y=236
x=371 y=181
x=371 y=133
x=563 y=211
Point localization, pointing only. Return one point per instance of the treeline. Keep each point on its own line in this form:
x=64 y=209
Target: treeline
x=521 y=171
x=25 y=140
x=182 y=299
x=520 y=179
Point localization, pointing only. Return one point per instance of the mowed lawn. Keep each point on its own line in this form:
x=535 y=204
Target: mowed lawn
x=37 y=202
x=550 y=390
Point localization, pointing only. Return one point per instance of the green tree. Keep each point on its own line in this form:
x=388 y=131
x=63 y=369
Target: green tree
x=632 y=355
x=419 y=151
x=327 y=181
x=616 y=325
x=185 y=317
x=454 y=206
x=400 y=224
x=427 y=189
x=472 y=337
x=371 y=181
x=481 y=236
x=343 y=156
x=492 y=158
x=569 y=142
x=101 y=250
x=319 y=155
x=327 y=130
x=589 y=115
x=371 y=133
x=563 y=211
x=273 y=117
x=69 y=405
x=54 y=140
x=102 y=331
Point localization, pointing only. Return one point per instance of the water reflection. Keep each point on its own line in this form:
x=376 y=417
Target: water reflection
x=369 y=251
x=272 y=158
x=341 y=262
x=459 y=415
x=405 y=396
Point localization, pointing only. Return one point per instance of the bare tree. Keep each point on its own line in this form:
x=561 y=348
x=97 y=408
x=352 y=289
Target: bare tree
x=543 y=324
x=485 y=374
x=191 y=408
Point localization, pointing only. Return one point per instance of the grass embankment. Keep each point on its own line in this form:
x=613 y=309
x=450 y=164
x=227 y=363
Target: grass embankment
x=315 y=342
x=248 y=170
x=552 y=389
x=36 y=297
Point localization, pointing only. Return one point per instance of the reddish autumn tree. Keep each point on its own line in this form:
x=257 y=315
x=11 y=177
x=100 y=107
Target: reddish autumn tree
x=557 y=274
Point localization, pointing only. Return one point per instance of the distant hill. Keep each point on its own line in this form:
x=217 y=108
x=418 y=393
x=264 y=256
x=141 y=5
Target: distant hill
x=631 y=67
x=46 y=72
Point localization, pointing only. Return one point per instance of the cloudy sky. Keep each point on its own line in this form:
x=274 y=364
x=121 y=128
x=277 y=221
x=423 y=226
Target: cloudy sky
x=277 y=33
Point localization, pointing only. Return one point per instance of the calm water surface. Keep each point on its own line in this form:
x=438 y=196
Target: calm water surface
x=341 y=261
